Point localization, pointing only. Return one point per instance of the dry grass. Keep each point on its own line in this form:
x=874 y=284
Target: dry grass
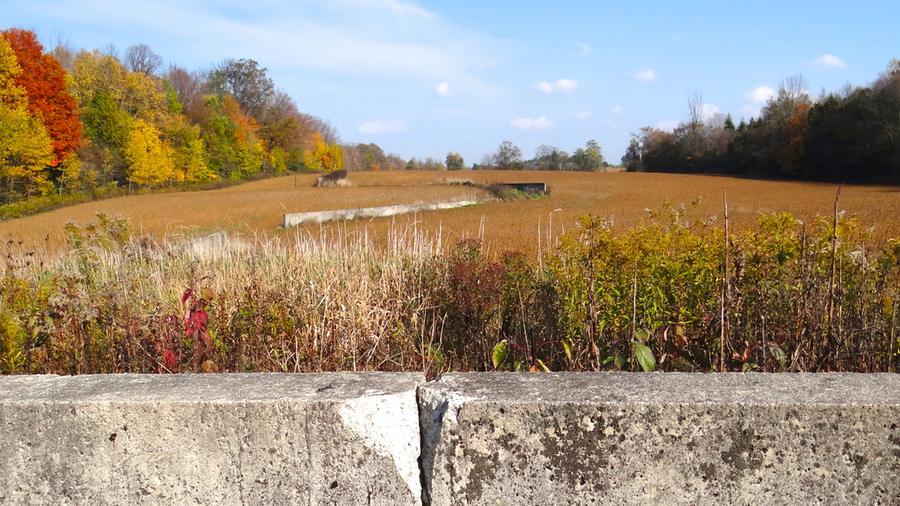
x=620 y=197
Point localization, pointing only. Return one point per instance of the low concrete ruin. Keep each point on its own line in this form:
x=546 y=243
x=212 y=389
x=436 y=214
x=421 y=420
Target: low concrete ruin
x=294 y=219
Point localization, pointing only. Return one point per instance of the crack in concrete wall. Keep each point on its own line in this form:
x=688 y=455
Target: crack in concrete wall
x=475 y=438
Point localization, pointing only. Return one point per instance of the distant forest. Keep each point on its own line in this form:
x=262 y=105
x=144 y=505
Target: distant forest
x=75 y=125
x=849 y=135
x=79 y=124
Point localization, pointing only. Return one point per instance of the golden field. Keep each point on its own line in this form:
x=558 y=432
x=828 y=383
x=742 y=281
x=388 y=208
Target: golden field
x=622 y=198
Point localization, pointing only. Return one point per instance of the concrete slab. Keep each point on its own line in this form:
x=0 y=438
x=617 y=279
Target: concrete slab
x=620 y=438
x=340 y=438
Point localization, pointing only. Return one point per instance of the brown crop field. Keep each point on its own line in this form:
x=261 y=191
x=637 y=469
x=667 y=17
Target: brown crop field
x=622 y=198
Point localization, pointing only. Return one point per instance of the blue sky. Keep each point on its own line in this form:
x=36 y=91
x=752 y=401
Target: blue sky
x=424 y=78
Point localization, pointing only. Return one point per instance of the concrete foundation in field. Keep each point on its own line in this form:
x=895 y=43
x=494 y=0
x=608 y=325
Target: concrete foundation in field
x=294 y=219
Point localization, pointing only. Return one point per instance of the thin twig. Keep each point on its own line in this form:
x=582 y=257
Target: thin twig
x=723 y=312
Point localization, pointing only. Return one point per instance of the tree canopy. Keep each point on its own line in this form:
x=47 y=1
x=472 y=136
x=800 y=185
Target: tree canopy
x=112 y=122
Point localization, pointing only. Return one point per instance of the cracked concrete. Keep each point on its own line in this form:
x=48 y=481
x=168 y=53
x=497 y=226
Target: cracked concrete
x=485 y=438
x=340 y=438
x=622 y=438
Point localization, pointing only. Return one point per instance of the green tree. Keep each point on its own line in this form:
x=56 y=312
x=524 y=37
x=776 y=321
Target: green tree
x=588 y=158
x=455 y=161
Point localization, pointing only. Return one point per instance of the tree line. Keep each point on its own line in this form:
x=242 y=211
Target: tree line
x=508 y=156
x=849 y=135
x=77 y=121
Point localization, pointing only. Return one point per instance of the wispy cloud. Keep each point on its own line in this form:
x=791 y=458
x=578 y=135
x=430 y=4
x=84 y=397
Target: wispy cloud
x=527 y=124
x=667 y=124
x=381 y=126
x=583 y=114
x=560 y=86
x=617 y=109
x=395 y=7
x=443 y=89
x=345 y=37
x=761 y=94
x=584 y=48
x=830 y=61
x=645 y=76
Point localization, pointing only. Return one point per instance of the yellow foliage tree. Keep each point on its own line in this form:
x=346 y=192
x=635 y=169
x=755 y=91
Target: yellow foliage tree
x=10 y=94
x=150 y=160
x=25 y=153
x=70 y=173
x=191 y=160
x=26 y=149
x=323 y=157
x=95 y=72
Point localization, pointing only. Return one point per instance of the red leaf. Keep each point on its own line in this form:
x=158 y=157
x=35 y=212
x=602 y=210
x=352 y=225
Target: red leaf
x=195 y=322
x=169 y=359
x=187 y=293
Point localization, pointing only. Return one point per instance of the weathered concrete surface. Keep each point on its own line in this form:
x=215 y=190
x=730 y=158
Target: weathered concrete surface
x=618 y=438
x=210 y=439
x=294 y=219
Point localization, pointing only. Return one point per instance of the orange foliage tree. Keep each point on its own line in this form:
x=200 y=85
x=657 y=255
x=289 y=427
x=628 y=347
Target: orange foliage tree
x=44 y=81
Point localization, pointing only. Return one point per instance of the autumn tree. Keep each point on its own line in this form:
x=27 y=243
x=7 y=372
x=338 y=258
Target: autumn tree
x=140 y=58
x=25 y=146
x=25 y=152
x=323 y=157
x=11 y=93
x=44 y=82
x=231 y=138
x=283 y=132
x=150 y=160
x=247 y=82
x=189 y=87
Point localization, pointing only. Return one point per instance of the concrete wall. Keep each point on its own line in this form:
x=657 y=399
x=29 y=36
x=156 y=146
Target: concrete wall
x=662 y=438
x=210 y=439
x=294 y=219
x=484 y=438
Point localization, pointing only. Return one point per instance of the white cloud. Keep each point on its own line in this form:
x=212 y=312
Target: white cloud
x=539 y=123
x=829 y=60
x=667 y=124
x=561 y=86
x=396 y=7
x=347 y=37
x=707 y=111
x=443 y=89
x=380 y=126
x=583 y=114
x=617 y=109
x=645 y=76
x=761 y=94
x=584 y=48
